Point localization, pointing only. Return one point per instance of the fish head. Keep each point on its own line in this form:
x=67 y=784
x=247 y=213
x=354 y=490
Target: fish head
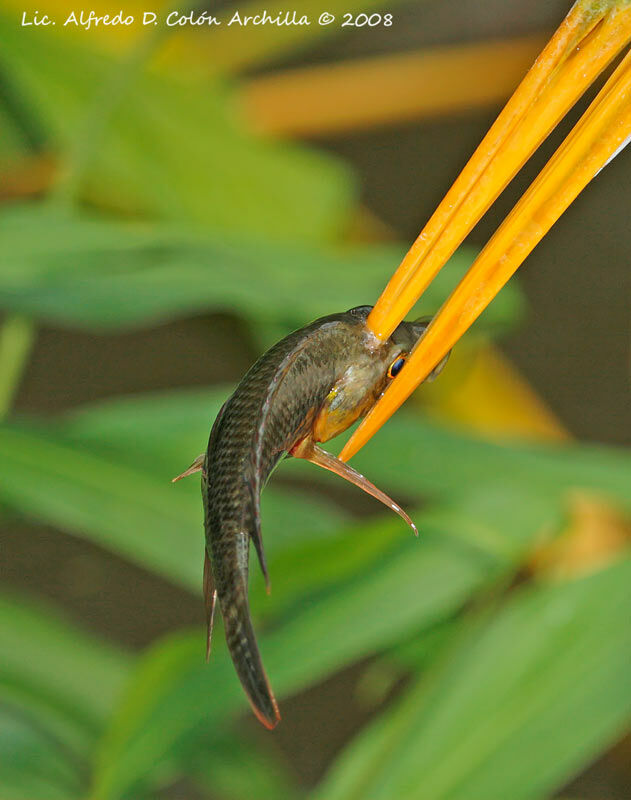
x=366 y=374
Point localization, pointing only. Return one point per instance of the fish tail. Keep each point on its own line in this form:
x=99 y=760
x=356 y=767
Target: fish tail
x=247 y=660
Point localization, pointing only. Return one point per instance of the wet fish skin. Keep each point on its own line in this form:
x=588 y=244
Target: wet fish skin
x=314 y=383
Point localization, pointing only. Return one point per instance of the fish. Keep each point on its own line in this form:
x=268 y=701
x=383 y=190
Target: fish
x=308 y=388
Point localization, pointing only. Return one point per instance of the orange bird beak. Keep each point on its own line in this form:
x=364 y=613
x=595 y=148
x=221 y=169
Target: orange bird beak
x=589 y=38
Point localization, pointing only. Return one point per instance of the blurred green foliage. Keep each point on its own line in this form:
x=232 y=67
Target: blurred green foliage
x=167 y=207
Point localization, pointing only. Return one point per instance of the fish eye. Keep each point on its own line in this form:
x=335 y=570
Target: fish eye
x=396 y=366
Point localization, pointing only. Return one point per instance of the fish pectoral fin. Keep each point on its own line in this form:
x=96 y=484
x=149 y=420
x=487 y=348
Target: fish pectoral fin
x=308 y=449
x=210 y=601
x=196 y=466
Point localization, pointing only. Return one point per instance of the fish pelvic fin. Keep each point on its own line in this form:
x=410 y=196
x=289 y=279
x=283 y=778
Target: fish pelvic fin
x=255 y=533
x=308 y=449
x=210 y=601
x=196 y=466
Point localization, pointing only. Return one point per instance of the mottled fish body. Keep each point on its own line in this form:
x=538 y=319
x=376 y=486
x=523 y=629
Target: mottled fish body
x=307 y=388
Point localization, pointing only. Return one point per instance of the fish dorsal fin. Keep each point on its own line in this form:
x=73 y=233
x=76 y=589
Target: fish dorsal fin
x=196 y=466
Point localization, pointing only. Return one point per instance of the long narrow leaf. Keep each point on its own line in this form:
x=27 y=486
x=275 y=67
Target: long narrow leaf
x=410 y=454
x=174 y=692
x=528 y=697
x=172 y=149
x=54 y=675
x=91 y=272
x=128 y=509
x=33 y=768
x=322 y=591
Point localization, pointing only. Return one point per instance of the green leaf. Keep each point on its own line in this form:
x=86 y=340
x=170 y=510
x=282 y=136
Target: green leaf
x=172 y=149
x=410 y=454
x=392 y=590
x=123 y=509
x=104 y=473
x=529 y=695
x=57 y=674
x=33 y=766
x=385 y=592
x=131 y=509
x=12 y=143
x=163 y=431
x=90 y=272
x=236 y=767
